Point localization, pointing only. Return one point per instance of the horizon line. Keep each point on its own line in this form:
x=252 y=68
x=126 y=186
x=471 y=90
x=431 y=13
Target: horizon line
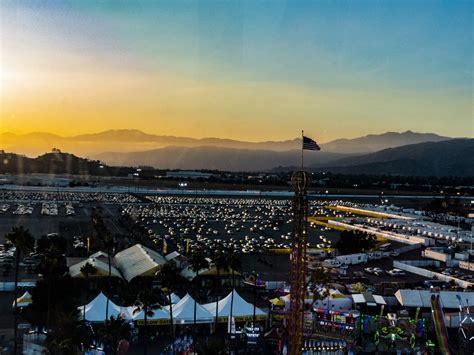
x=214 y=137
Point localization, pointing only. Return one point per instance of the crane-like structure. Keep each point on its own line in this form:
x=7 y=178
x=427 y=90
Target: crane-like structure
x=301 y=181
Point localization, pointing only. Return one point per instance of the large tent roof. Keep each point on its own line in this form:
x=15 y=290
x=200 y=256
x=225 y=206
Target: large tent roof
x=240 y=308
x=138 y=260
x=183 y=312
x=102 y=268
x=422 y=298
x=99 y=254
x=96 y=310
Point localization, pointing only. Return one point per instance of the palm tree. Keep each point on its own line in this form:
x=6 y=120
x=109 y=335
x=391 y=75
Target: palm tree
x=109 y=243
x=198 y=262
x=117 y=329
x=234 y=264
x=220 y=263
x=24 y=243
x=87 y=269
x=65 y=336
x=52 y=267
x=170 y=278
x=148 y=303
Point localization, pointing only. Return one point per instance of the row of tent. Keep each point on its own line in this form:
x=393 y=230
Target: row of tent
x=183 y=311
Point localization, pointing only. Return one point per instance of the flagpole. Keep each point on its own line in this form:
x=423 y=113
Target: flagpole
x=302 y=150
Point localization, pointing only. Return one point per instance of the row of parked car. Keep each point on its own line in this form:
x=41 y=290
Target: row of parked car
x=457 y=273
x=377 y=271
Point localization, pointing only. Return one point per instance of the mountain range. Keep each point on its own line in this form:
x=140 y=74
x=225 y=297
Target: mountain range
x=406 y=153
x=125 y=141
x=454 y=157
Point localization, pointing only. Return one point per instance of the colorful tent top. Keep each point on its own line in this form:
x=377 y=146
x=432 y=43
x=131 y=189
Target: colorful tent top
x=95 y=311
x=102 y=268
x=336 y=294
x=23 y=301
x=241 y=309
x=183 y=312
x=277 y=302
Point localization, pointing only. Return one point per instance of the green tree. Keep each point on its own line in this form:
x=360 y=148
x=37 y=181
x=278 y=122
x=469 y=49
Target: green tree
x=234 y=264
x=221 y=262
x=65 y=335
x=54 y=276
x=24 y=243
x=109 y=243
x=320 y=276
x=170 y=279
x=198 y=262
x=116 y=330
x=87 y=269
x=147 y=302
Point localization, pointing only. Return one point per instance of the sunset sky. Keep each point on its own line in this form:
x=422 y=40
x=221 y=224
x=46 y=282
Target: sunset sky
x=250 y=70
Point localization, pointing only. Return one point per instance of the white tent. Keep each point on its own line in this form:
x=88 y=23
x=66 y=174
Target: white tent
x=183 y=312
x=160 y=316
x=241 y=309
x=101 y=268
x=95 y=311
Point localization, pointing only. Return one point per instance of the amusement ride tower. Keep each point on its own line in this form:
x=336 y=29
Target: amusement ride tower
x=301 y=181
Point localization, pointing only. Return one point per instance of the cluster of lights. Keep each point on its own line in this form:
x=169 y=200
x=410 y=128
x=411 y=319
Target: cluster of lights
x=252 y=332
x=317 y=345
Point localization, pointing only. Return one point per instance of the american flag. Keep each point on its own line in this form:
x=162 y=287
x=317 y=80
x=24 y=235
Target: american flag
x=310 y=144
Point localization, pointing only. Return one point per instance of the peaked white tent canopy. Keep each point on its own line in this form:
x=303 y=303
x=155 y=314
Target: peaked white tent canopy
x=241 y=309
x=183 y=312
x=95 y=311
x=160 y=314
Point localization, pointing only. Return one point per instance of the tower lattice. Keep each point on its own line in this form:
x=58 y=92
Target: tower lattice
x=300 y=182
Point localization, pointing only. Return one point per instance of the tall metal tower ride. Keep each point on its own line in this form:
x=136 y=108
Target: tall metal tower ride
x=301 y=181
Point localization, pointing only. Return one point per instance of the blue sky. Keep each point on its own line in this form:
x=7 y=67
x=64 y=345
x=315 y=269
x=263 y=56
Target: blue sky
x=349 y=65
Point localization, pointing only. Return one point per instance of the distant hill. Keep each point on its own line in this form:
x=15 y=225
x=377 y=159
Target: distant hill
x=446 y=158
x=33 y=144
x=215 y=158
x=124 y=141
x=376 y=142
x=453 y=157
x=55 y=162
